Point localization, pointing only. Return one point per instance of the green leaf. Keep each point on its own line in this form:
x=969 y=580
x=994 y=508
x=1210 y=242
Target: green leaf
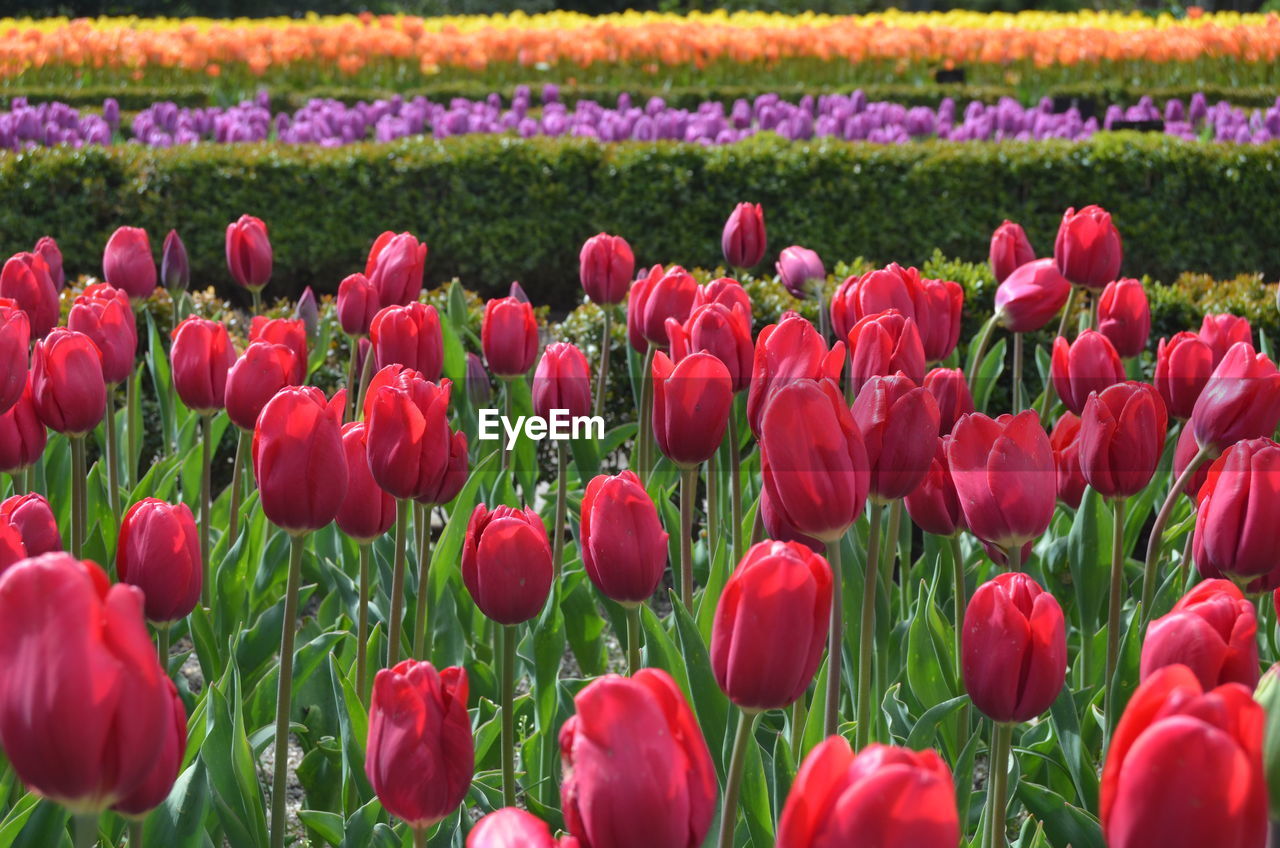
x=329 y=826
x=16 y=818
x=179 y=821
x=990 y=371
x=1067 y=826
x=709 y=702
x=926 y=727
x=233 y=775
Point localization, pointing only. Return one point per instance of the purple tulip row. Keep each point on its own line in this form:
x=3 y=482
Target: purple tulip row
x=850 y=117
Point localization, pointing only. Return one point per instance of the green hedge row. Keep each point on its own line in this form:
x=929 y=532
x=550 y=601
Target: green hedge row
x=497 y=209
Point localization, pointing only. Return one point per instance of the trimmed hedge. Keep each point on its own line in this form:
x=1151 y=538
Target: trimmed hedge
x=498 y=208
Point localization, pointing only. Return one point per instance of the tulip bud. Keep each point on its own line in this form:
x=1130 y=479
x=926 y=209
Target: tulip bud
x=15 y=342
x=509 y=336
x=105 y=315
x=1065 y=442
x=799 y=267
x=395 y=268
x=1014 y=648
x=892 y=287
x=479 y=391
x=408 y=438
x=33 y=518
x=1234 y=536
x=789 y=350
x=606 y=267
x=175 y=268
x=159 y=552
x=517 y=292
x=421 y=754
x=12 y=548
x=506 y=563
x=1010 y=250
x=1222 y=331
x=249 y=253
x=1183 y=366
x=883 y=344
x=1005 y=477
x=1031 y=296
x=624 y=548
x=903 y=797
x=411 y=336
x=743 y=240
x=47 y=249
x=158 y=783
x=358 y=303
x=1124 y=316
x=1176 y=738
x=25 y=280
x=898 y=421
x=127 y=263
x=1089 y=364
x=200 y=358
x=308 y=312
x=934 y=505
x=636 y=763
x=723 y=332
x=1122 y=438
x=939 y=307
x=299 y=461
x=1240 y=401
x=655 y=298
x=813 y=460
x=22 y=433
x=1212 y=630
x=951 y=391
x=1088 y=249
x=292 y=333
x=64 y=633
x=692 y=401
x=562 y=381
x=455 y=473
x=66 y=382
x=510 y=827
x=779 y=587
x=725 y=291
x=255 y=378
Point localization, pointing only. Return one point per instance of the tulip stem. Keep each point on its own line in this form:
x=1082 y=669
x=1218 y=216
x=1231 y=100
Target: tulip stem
x=113 y=457
x=79 y=510
x=889 y=555
x=824 y=317
x=19 y=480
x=206 y=473
x=1001 y=743
x=835 y=639
x=1273 y=834
x=799 y=712
x=362 y=627
x=688 y=490
x=735 y=481
x=419 y=837
x=1114 y=606
x=713 y=503
x=366 y=374
x=284 y=689
x=1156 y=539
x=86 y=830
x=960 y=600
x=135 y=833
x=562 y=508
x=163 y=632
x=633 y=638
x=867 y=636
x=131 y=415
x=509 y=404
x=421 y=626
x=729 y=813
x=1049 y=394
x=644 y=427
x=397 y=582
x=243 y=443
x=508 y=717
x=979 y=348
x=1017 y=373
x=257 y=300
x=353 y=389
x=606 y=342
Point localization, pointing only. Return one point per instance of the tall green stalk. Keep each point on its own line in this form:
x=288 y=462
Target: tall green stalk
x=206 y=482
x=688 y=491
x=1156 y=540
x=867 y=634
x=998 y=805
x=644 y=429
x=606 y=342
x=508 y=636
x=397 y=582
x=1017 y=373
x=1049 y=394
x=421 y=624
x=113 y=456
x=86 y=830
x=132 y=417
x=284 y=690
x=735 y=486
x=243 y=445
x=562 y=508
x=729 y=812
x=633 y=638
x=79 y=509
x=1114 y=607
x=362 y=628
x=835 y=640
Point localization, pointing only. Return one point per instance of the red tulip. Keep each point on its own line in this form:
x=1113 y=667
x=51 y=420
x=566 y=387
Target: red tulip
x=787 y=351
x=158 y=783
x=506 y=563
x=813 y=461
x=159 y=552
x=299 y=461
x=654 y=298
x=105 y=315
x=455 y=473
x=624 y=548
x=175 y=267
x=409 y=436
x=410 y=336
x=606 y=267
x=1240 y=401
x=1014 y=648
x=1122 y=438
x=883 y=796
x=1089 y=364
x=290 y=332
x=934 y=505
x=1236 y=532
x=15 y=343
x=562 y=381
x=951 y=391
x=637 y=773
x=66 y=382
x=1212 y=630
x=1088 y=249
x=692 y=401
x=22 y=433
x=723 y=332
x=779 y=587
x=939 y=307
x=47 y=249
x=1005 y=477
x=776 y=526
x=883 y=344
x=874 y=292
x=1183 y=366
x=1221 y=332
x=83 y=694
x=798 y=267
x=1177 y=742
x=255 y=378
x=395 y=268
x=1065 y=442
x=33 y=517
x=509 y=336
x=127 y=263
x=725 y=291
x=358 y=303
x=200 y=357
x=1031 y=296
x=25 y=280
x=1124 y=316
x=249 y=253
x=1183 y=452
x=12 y=548
x=421 y=755
x=1010 y=250
x=511 y=827
x=743 y=240
x=898 y=421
